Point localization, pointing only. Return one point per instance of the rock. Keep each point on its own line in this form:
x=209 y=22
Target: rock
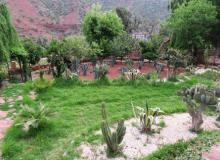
x=2 y=101
x=19 y=98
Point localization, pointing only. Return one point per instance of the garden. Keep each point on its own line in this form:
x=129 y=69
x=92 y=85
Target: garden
x=104 y=94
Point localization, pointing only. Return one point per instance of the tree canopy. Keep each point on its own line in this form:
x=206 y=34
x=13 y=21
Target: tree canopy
x=214 y=35
x=76 y=46
x=191 y=23
x=102 y=27
x=9 y=39
x=34 y=51
x=123 y=45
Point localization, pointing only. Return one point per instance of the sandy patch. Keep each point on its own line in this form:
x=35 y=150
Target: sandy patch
x=136 y=145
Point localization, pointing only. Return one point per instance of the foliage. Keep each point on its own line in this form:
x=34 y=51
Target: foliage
x=146 y=116
x=112 y=139
x=76 y=46
x=190 y=24
x=150 y=48
x=153 y=78
x=101 y=27
x=2 y=77
x=9 y=38
x=41 y=83
x=185 y=150
x=76 y=106
x=55 y=50
x=35 y=51
x=123 y=45
x=33 y=118
x=215 y=28
x=197 y=98
x=68 y=75
x=127 y=19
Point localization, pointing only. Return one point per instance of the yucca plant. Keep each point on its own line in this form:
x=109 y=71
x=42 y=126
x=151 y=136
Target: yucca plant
x=197 y=98
x=112 y=139
x=146 y=116
x=33 y=118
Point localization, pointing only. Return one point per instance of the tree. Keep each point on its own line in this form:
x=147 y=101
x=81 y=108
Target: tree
x=214 y=35
x=190 y=25
x=35 y=51
x=123 y=44
x=126 y=18
x=76 y=46
x=149 y=49
x=9 y=39
x=101 y=27
x=8 y=36
x=55 y=50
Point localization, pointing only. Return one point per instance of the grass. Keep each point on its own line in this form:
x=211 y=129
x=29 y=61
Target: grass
x=77 y=114
x=185 y=150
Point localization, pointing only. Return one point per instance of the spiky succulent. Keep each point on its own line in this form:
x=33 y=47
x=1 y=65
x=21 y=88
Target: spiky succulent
x=146 y=116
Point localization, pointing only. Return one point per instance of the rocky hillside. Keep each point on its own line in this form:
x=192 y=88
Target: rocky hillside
x=58 y=18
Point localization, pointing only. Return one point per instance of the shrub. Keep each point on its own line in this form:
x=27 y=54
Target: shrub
x=41 y=83
x=153 y=78
x=33 y=118
x=146 y=116
x=172 y=78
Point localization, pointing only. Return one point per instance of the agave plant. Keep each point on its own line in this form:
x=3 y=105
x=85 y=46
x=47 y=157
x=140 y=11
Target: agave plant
x=33 y=118
x=197 y=98
x=112 y=139
x=146 y=116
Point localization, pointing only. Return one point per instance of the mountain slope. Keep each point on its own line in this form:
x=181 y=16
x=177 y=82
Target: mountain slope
x=57 y=18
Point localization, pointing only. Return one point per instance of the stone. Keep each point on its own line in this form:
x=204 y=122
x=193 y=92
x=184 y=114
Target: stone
x=19 y=98
x=2 y=101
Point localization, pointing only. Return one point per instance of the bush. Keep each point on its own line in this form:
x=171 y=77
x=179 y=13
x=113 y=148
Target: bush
x=172 y=78
x=33 y=118
x=41 y=84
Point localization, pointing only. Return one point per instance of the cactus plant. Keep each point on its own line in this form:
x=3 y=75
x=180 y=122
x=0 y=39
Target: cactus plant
x=197 y=98
x=112 y=139
x=100 y=71
x=146 y=116
x=85 y=68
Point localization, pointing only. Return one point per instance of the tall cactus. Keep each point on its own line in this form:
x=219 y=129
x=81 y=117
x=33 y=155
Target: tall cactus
x=112 y=139
x=197 y=98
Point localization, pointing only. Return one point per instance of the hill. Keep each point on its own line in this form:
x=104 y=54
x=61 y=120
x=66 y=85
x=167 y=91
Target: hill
x=56 y=18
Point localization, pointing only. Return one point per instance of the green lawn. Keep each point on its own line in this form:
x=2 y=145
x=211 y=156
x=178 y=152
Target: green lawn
x=77 y=114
